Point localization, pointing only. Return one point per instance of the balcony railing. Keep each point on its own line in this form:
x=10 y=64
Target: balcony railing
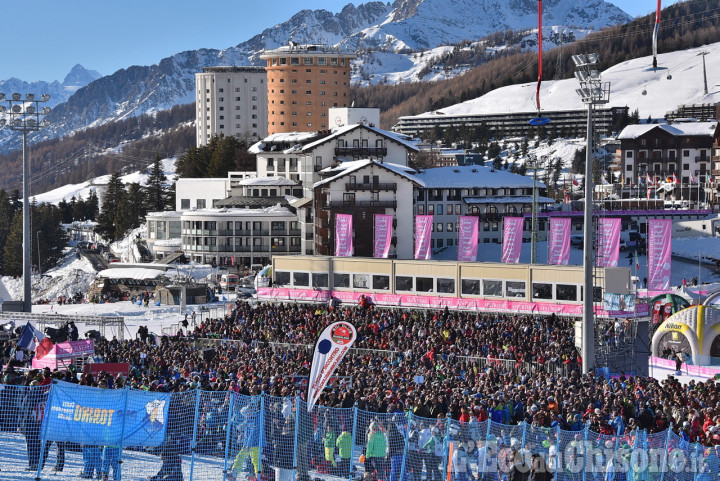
x=279 y=249
x=371 y=186
x=360 y=151
x=363 y=203
x=295 y=232
x=294 y=249
x=229 y=233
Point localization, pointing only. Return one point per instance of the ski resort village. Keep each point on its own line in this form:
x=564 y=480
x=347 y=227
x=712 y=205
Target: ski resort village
x=423 y=240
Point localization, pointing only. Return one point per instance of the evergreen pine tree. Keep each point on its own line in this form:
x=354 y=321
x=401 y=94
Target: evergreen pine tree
x=92 y=206
x=110 y=226
x=12 y=253
x=155 y=193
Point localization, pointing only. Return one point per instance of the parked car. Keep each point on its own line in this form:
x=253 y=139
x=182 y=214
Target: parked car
x=577 y=240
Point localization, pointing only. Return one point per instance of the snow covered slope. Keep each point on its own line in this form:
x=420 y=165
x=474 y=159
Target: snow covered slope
x=628 y=81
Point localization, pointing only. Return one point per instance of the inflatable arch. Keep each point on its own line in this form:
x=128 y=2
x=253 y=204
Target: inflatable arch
x=695 y=331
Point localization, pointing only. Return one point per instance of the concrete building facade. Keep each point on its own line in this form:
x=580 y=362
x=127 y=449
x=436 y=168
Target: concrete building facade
x=230 y=101
x=304 y=81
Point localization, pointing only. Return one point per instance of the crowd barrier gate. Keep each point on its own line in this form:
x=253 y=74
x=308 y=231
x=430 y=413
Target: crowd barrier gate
x=226 y=436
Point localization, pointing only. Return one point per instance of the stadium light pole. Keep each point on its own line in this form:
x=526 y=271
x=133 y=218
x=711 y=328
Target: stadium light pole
x=592 y=92
x=24 y=116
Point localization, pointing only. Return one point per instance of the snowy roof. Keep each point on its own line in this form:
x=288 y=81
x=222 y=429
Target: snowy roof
x=137 y=273
x=402 y=139
x=350 y=166
x=508 y=199
x=165 y=214
x=274 y=180
x=175 y=242
x=291 y=138
x=687 y=129
x=472 y=176
x=266 y=211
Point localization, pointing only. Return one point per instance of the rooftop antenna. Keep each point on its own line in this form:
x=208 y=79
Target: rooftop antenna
x=655 y=33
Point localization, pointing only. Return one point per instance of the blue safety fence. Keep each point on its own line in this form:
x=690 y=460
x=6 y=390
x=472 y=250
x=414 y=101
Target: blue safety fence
x=126 y=434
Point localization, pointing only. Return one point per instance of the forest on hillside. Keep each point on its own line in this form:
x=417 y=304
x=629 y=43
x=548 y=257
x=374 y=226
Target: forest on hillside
x=94 y=151
x=683 y=25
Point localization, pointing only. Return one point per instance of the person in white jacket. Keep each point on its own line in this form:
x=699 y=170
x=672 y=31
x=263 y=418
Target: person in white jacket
x=460 y=463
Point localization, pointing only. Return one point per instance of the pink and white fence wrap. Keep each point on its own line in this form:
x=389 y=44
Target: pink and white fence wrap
x=468 y=238
x=609 y=242
x=659 y=253
x=343 y=235
x=435 y=302
x=423 y=234
x=512 y=239
x=559 y=241
x=383 y=235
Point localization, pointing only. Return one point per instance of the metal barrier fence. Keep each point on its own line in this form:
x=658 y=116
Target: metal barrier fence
x=228 y=436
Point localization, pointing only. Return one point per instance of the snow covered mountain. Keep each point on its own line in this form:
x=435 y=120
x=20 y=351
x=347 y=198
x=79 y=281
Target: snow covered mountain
x=78 y=77
x=678 y=80
x=396 y=29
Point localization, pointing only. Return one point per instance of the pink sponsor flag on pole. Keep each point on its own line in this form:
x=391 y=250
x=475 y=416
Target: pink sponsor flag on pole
x=512 y=239
x=467 y=238
x=343 y=235
x=423 y=233
x=559 y=241
x=609 y=242
x=659 y=253
x=383 y=235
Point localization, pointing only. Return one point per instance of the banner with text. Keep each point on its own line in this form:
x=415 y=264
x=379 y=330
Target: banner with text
x=343 y=235
x=659 y=253
x=106 y=417
x=383 y=235
x=330 y=348
x=609 y=242
x=512 y=239
x=559 y=241
x=468 y=238
x=423 y=234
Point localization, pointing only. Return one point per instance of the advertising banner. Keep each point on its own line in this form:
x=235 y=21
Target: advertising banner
x=512 y=239
x=559 y=241
x=343 y=235
x=423 y=234
x=106 y=417
x=468 y=238
x=330 y=348
x=659 y=253
x=609 y=242
x=383 y=235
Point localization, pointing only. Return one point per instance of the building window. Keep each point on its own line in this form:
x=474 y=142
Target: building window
x=185 y=204
x=439 y=227
x=322 y=61
x=201 y=203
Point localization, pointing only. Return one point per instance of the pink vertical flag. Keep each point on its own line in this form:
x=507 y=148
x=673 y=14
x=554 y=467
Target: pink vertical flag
x=343 y=235
x=467 y=238
x=659 y=253
x=423 y=234
x=559 y=241
x=383 y=235
x=609 y=242
x=512 y=239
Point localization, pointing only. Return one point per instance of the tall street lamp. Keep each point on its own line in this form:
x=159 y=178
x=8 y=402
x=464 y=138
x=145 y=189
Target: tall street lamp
x=592 y=91
x=25 y=115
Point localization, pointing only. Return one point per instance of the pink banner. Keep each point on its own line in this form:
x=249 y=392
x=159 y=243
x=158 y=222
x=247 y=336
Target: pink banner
x=343 y=235
x=559 y=241
x=608 y=242
x=435 y=302
x=659 y=253
x=467 y=238
x=423 y=234
x=689 y=369
x=383 y=235
x=512 y=239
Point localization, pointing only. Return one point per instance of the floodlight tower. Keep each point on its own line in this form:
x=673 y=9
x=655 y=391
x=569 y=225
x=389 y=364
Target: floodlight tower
x=592 y=92
x=25 y=115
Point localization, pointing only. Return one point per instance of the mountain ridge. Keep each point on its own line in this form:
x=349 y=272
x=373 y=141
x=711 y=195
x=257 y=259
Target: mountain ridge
x=144 y=89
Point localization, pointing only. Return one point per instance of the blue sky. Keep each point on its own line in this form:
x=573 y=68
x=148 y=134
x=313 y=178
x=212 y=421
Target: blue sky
x=44 y=39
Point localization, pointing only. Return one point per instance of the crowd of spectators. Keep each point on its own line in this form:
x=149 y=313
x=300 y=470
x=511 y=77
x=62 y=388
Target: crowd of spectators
x=420 y=361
